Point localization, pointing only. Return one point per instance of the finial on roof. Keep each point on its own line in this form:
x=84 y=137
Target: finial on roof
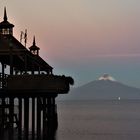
x=5 y=14
x=34 y=49
x=34 y=43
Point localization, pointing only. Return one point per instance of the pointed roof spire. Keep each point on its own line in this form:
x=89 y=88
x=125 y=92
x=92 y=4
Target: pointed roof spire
x=34 y=43
x=7 y=26
x=5 y=14
x=34 y=49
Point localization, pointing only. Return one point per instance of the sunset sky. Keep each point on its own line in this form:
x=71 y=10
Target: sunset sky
x=82 y=38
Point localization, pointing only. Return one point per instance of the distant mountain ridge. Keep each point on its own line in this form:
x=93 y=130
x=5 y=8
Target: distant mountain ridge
x=104 y=89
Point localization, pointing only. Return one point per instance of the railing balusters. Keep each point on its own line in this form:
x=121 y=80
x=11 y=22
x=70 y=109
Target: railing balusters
x=3 y=80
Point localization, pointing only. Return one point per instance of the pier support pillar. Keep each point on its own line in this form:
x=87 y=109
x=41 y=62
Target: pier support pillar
x=2 y=118
x=38 y=118
x=20 y=119
x=44 y=118
x=33 y=118
x=11 y=118
x=26 y=118
x=52 y=122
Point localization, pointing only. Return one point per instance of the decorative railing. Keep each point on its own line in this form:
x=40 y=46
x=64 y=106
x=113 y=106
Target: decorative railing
x=3 y=80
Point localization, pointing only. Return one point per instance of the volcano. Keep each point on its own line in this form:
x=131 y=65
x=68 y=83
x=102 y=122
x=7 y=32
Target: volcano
x=105 y=88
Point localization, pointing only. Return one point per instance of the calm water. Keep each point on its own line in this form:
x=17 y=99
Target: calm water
x=99 y=120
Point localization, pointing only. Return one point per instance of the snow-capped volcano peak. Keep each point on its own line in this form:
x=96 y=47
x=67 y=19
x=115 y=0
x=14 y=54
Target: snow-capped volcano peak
x=106 y=77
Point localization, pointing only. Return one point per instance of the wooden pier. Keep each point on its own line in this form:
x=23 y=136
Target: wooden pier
x=28 y=89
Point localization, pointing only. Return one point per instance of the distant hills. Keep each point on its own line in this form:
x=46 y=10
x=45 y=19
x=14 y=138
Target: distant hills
x=105 y=88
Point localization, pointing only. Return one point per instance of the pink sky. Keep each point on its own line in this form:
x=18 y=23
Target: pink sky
x=78 y=31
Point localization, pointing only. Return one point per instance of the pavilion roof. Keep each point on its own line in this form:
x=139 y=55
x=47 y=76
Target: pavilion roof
x=10 y=45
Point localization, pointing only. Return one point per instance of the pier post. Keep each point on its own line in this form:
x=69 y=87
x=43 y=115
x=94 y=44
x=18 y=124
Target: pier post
x=54 y=112
x=2 y=118
x=11 y=118
x=38 y=118
x=44 y=118
x=26 y=118
x=33 y=118
x=20 y=119
x=52 y=121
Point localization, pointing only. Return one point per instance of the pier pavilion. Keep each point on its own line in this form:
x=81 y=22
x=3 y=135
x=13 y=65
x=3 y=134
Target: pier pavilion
x=28 y=89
